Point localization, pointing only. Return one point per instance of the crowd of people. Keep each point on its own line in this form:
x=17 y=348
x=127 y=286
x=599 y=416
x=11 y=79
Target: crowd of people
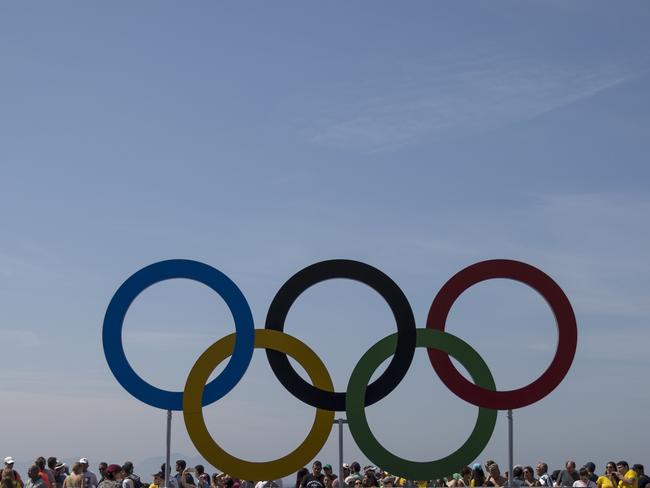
x=52 y=473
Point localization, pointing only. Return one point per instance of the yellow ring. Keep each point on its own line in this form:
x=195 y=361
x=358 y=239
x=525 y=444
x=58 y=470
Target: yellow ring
x=206 y=445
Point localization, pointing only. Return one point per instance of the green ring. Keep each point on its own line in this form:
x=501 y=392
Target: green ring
x=369 y=444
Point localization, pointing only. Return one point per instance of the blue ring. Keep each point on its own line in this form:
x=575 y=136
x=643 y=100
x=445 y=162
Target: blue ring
x=165 y=270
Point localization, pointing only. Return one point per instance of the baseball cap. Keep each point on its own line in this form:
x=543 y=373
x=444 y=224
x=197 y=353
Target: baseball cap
x=346 y=466
x=327 y=466
x=9 y=460
x=83 y=460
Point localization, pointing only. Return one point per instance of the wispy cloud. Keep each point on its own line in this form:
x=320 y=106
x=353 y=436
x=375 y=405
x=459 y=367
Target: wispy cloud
x=472 y=93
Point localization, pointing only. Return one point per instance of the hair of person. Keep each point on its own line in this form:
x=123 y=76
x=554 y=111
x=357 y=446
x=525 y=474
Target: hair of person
x=478 y=476
x=623 y=463
x=76 y=468
x=517 y=471
x=544 y=466
x=638 y=468
x=127 y=467
x=181 y=463
x=302 y=472
x=355 y=467
x=583 y=472
x=51 y=462
x=199 y=469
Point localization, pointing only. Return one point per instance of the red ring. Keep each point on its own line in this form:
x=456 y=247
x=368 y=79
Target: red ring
x=564 y=316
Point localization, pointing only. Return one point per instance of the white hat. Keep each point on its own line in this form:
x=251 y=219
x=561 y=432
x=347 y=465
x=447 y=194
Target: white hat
x=83 y=460
x=9 y=460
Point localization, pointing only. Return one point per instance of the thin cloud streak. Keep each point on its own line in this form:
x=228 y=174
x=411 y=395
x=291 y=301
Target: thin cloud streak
x=476 y=94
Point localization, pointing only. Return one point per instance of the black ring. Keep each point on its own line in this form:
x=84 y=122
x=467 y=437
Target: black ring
x=375 y=279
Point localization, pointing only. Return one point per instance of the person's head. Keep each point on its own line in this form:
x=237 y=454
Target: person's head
x=40 y=462
x=528 y=473
x=466 y=474
x=622 y=467
x=570 y=466
x=494 y=470
x=316 y=468
x=9 y=462
x=51 y=463
x=584 y=474
x=327 y=470
x=199 y=469
x=355 y=467
x=84 y=464
x=357 y=483
x=159 y=478
x=487 y=465
x=477 y=474
x=327 y=481
x=76 y=468
x=346 y=470
x=33 y=471
x=591 y=467
x=638 y=469
x=541 y=468
x=102 y=468
x=112 y=471
x=127 y=468
x=517 y=472
x=610 y=467
x=180 y=465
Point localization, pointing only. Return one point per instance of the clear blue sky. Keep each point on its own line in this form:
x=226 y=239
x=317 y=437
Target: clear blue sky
x=418 y=137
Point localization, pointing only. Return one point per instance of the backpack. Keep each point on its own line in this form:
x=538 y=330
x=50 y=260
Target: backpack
x=136 y=481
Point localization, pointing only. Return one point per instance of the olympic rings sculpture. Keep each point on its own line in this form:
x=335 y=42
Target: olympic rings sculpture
x=320 y=393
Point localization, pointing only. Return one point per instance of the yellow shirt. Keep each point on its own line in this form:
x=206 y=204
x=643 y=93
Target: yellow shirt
x=630 y=475
x=604 y=482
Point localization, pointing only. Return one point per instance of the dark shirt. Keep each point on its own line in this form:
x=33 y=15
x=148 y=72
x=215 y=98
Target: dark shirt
x=566 y=479
x=311 y=481
x=643 y=480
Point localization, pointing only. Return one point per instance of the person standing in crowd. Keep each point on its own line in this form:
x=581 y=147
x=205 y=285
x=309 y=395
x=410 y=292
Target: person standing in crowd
x=51 y=465
x=355 y=474
x=35 y=479
x=610 y=478
x=9 y=463
x=327 y=471
x=59 y=474
x=90 y=478
x=591 y=467
x=569 y=475
x=627 y=477
x=74 y=479
x=129 y=479
x=495 y=476
x=584 y=481
x=644 y=480
x=45 y=475
x=181 y=465
x=529 y=476
x=201 y=481
x=8 y=479
x=101 y=467
x=478 y=476
x=302 y=472
x=111 y=477
x=173 y=482
x=543 y=478
x=158 y=480
x=315 y=479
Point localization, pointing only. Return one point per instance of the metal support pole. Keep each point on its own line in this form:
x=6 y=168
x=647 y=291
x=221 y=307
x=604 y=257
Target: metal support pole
x=510 y=449
x=341 y=477
x=168 y=448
